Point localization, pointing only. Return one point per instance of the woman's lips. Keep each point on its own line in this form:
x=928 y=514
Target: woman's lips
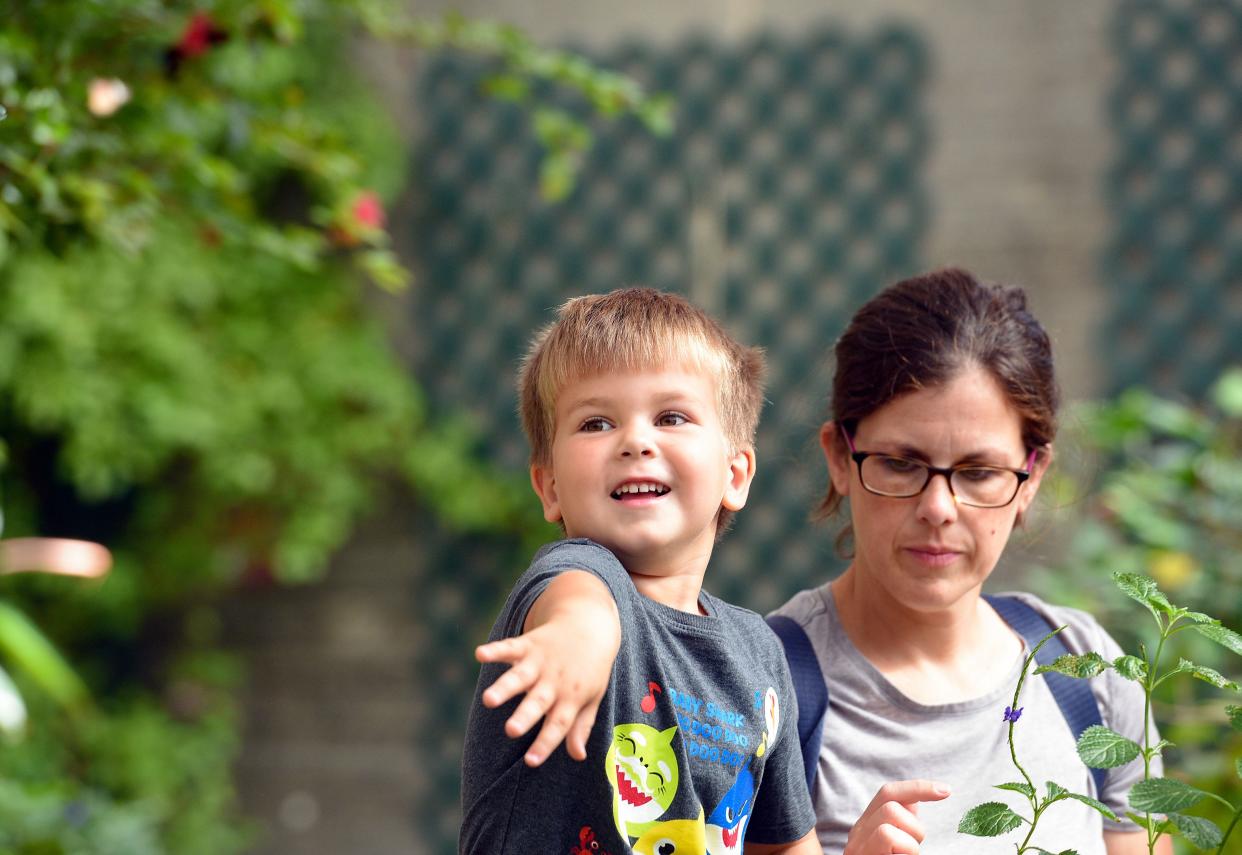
x=933 y=556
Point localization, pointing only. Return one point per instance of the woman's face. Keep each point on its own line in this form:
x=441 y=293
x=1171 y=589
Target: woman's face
x=927 y=552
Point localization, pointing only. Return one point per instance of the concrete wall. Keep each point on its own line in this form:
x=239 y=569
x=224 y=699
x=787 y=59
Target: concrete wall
x=1016 y=105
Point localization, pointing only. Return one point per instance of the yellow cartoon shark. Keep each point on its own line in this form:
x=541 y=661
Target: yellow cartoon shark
x=674 y=837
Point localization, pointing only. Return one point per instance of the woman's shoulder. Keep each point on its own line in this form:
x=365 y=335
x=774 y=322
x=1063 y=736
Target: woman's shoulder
x=806 y=607
x=1082 y=631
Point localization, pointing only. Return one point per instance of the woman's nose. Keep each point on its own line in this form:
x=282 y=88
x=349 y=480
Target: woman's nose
x=937 y=504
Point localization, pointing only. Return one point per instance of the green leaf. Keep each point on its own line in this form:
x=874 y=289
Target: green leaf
x=1071 y=665
x=29 y=649
x=1235 y=716
x=989 y=819
x=1164 y=795
x=1131 y=667
x=1221 y=635
x=1199 y=617
x=1093 y=803
x=1056 y=791
x=1203 y=833
x=1227 y=393
x=1101 y=748
x=1018 y=787
x=1207 y=675
x=1143 y=589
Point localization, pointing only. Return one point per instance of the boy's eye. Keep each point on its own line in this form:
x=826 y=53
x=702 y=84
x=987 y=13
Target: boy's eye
x=595 y=424
x=671 y=419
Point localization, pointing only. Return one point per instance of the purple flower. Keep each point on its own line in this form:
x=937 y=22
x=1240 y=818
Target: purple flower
x=1012 y=714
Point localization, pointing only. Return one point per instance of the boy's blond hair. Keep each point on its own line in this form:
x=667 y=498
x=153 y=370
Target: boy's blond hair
x=636 y=329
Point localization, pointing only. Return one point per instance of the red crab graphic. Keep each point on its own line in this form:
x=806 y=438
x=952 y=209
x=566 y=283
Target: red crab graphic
x=587 y=844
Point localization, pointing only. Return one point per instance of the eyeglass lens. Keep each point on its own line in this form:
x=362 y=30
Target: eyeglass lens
x=896 y=476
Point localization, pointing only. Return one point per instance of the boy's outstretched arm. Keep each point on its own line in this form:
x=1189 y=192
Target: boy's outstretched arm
x=562 y=661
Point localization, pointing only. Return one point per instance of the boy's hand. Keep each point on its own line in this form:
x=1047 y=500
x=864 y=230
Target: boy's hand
x=890 y=824
x=562 y=661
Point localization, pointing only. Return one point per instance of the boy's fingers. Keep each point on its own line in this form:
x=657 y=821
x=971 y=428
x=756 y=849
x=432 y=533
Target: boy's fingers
x=575 y=742
x=555 y=725
x=504 y=650
x=509 y=684
x=532 y=708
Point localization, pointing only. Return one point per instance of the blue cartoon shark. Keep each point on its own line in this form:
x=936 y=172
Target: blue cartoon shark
x=726 y=827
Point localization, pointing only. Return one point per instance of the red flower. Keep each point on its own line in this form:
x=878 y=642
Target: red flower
x=367 y=210
x=197 y=37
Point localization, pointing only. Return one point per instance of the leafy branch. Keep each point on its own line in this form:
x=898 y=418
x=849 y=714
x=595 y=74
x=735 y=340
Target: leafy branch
x=1102 y=748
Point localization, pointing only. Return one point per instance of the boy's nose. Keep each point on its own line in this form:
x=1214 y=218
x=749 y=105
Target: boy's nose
x=637 y=442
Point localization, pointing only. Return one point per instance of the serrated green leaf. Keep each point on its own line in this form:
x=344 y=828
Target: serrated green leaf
x=1093 y=803
x=1208 y=675
x=1071 y=665
x=1164 y=795
x=1101 y=748
x=1018 y=787
x=1143 y=589
x=1203 y=833
x=989 y=819
x=1131 y=667
x=1199 y=617
x=1222 y=635
x=1235 y=716
x=1056 y=791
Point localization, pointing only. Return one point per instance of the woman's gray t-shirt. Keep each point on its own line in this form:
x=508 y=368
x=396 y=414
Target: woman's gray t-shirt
x=875 y=734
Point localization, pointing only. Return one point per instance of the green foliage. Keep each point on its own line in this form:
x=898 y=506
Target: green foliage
x=989 y=820
x=1153 y=488
x=191 y=369
x=1102 y=748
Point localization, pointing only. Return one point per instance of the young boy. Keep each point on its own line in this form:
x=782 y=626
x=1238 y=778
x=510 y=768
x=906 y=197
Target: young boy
x=641 y=413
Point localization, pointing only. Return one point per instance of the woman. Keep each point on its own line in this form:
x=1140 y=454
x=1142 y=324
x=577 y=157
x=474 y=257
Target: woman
x=943 y=376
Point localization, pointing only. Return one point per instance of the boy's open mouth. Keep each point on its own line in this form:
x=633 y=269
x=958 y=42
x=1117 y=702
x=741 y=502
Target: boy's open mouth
x=639 y=490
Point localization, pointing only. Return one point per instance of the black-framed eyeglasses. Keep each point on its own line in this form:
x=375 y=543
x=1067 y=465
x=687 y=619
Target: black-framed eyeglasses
x=970 y=484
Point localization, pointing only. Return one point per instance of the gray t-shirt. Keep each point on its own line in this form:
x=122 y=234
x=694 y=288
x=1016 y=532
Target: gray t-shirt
x=874 y=734
x=695 y=744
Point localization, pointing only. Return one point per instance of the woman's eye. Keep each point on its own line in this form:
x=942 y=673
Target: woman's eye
x=595 y=424
x=978 y=476
x=671 y=419
x=900 y=466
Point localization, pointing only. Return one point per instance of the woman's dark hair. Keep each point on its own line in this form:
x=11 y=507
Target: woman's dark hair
x=922 y=332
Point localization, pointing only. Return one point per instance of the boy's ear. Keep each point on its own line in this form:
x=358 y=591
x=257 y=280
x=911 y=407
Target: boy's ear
x=741 y=474
x=837 y=453
x=544 y=484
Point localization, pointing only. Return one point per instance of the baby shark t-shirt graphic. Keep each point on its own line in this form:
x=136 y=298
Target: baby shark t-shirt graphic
x=690 y=752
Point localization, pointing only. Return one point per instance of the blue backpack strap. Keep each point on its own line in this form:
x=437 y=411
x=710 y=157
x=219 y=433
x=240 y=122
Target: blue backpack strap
x=809 y=686
x=1073 y=696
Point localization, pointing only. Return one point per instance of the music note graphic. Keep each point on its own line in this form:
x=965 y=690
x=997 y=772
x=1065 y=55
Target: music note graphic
x=649 y=701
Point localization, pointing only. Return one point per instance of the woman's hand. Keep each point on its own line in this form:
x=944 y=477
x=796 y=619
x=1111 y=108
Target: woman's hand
x=890 y=824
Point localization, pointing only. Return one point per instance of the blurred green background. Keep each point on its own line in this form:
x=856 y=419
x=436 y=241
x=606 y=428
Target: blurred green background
x=266 y=269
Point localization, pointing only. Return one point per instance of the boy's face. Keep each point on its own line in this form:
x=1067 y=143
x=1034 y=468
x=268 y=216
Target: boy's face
x=641 y=465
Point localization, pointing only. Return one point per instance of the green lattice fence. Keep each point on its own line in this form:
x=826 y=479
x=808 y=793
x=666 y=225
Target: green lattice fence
x=1174 y=264
x=790 y=191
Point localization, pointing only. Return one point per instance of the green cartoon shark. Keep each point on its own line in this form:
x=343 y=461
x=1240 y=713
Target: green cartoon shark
x=641 y=766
